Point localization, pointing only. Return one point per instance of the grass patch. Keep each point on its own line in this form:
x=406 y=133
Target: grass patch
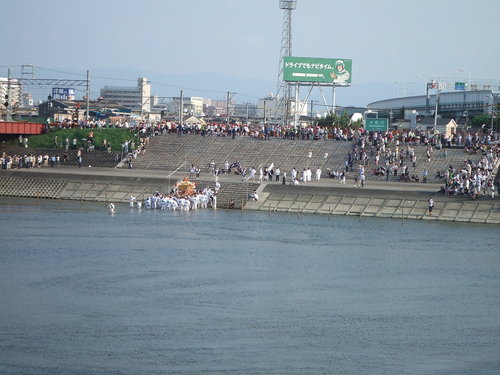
x=55 y=138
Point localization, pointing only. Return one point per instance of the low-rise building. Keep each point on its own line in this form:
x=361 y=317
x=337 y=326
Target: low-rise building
x=136 y=98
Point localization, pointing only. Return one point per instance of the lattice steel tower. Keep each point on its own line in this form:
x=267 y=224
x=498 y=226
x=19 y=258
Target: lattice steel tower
x=283 y=92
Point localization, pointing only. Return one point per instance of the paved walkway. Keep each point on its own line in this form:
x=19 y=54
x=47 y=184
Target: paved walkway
x=156 y=174
x=328 y=196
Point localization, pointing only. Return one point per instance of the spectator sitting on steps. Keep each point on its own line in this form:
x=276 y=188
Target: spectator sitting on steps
x=254 y=196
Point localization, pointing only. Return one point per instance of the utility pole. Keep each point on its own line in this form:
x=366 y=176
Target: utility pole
x=492 y=117
x=296 y=109
x=492 y=113
x=312 y=112
x=247 y=115
x=8 y=99
x=430 y=85
x=264 y=119
x=181 y=110
x=436 y=111
x=88 y=96
x=227 y=110
x=141 y=100
x=333 y=99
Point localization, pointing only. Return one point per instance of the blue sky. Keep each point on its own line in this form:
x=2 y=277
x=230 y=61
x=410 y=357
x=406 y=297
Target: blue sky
x=209 y=47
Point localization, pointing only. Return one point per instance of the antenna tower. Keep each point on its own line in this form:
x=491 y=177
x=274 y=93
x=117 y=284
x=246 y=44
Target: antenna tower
x=283 y=92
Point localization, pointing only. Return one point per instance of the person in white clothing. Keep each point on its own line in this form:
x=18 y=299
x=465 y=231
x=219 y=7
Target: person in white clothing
x=254 y=196
x=251 y=174
x=431 y=206
x=318 y=174
x=293 y=175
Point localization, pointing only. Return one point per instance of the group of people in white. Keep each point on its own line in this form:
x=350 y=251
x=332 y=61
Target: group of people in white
x=472 y=179
x=268 y=173
x=174 y=202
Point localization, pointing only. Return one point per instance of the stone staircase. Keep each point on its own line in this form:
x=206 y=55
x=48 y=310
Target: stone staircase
x=238 y=192
x=440 y=161
x=170 y=153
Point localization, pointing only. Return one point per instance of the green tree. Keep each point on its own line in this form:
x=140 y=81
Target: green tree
x=480 y=120
x=342 y=120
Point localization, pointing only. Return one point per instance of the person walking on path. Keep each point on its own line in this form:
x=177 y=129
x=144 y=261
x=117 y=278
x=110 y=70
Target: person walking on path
x=431 y=206
x=79 y=157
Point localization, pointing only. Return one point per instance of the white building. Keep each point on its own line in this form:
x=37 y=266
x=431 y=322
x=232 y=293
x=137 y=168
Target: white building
x=192 y=105
x=27 y=100
x=136 y=98
x=13 y=89
x=453 y=104
x=269 y=107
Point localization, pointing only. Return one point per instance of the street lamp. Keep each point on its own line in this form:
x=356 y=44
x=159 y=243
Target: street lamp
x=492 y=97
x=403 y=84
x=470 y=76
x=426 y=80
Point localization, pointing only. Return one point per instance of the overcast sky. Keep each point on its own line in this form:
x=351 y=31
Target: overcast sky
x=209 y=47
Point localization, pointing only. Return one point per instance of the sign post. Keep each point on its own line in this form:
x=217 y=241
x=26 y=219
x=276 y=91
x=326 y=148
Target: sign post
x=377 y=124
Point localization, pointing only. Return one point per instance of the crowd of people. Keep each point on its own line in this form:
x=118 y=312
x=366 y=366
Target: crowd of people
x=472 y=179
x=32 y=160
x=58 y=157
x=220 y=129
x=174 y=201
x=271 y=173
x=394 y=155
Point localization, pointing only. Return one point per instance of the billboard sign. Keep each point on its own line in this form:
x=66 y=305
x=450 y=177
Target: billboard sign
x=460 y=86
x=317 y=70
x=63 y=93
x=377 y=124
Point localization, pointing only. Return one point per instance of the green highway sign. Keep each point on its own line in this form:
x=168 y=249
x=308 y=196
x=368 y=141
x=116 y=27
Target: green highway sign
x=317 y=70
x=377 y=124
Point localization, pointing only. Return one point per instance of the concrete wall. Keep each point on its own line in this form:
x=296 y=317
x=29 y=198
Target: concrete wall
x=80 y=187
x=388 y=201
x=395 y=204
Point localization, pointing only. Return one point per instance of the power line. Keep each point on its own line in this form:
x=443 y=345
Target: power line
x=99 y=77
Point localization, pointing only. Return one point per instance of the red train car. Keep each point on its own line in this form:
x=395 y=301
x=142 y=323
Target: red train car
x=18 y=127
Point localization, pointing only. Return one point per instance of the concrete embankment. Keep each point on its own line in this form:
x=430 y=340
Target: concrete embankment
x=111 y=185
x=97 y=184
x=389 y=200
x=392 y=200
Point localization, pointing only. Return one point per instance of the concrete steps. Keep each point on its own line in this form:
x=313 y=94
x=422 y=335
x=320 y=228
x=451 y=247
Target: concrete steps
x=235 y=191
x=169 y=152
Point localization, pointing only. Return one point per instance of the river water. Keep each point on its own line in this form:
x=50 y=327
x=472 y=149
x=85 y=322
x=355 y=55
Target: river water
x=226 y=292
